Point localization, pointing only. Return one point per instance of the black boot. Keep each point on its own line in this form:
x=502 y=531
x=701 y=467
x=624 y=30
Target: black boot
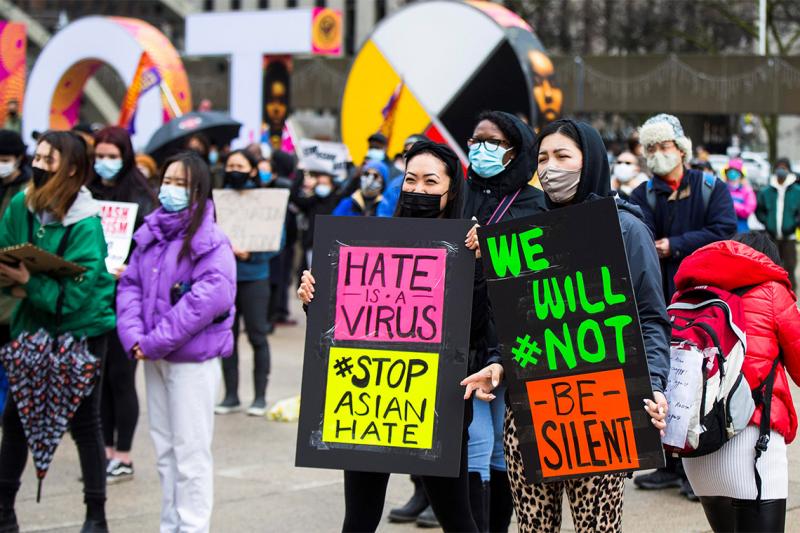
x=501 y=504
x=95 y=526
x=427 y=518
x=479 y=501
x=8 y=520
x=412 y=509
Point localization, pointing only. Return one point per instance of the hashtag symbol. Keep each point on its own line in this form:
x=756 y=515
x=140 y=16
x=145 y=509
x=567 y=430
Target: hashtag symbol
x=343 y=366
x=523 y=353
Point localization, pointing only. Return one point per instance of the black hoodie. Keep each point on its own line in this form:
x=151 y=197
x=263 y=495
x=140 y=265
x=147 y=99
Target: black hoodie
x=482 y=195
x=640 y=251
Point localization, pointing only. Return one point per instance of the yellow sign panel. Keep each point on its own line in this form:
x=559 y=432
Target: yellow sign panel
x=380 y=397
x=370 y=85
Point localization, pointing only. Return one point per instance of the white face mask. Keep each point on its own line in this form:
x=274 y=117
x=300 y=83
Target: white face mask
x=7 y=168
x=624 y=172
x=662 y=164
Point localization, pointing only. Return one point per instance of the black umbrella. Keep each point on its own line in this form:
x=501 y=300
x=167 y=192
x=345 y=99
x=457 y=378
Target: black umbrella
x=218 y=127
x=48 y=381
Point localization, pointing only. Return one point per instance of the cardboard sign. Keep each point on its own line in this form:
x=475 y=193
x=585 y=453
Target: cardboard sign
x=387 y=344
x=39 y=261
x=252 y=218
x=321 y=155
x=119 y=220
x=572 y=345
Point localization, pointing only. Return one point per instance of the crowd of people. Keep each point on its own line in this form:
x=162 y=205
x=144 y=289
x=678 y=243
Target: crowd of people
x=179 y=303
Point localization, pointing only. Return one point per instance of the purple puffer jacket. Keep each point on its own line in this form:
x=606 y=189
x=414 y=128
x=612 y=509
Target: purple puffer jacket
x=192 y=330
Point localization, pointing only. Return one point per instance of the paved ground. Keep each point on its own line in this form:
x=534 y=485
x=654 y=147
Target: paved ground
x=258 y=489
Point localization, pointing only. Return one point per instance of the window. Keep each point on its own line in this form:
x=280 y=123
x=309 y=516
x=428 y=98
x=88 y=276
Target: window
x=380 y=10
x=236 y=5
x=263 y=4
x=208 y=5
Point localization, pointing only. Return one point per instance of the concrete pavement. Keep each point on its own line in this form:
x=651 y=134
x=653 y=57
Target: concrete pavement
x=257 y=488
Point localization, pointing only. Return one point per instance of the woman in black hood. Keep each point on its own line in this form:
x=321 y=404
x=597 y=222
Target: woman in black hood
x=502 y=162
x=573 y=168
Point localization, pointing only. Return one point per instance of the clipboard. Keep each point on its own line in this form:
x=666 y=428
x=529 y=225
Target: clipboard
x=38 y=261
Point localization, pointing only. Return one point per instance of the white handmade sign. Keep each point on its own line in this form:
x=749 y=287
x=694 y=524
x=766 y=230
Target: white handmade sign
x=322 y=155
x=685 y=378
x=119 y=219
x=252 y=218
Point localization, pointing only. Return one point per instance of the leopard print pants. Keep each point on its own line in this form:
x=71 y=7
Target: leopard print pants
x=595 y=502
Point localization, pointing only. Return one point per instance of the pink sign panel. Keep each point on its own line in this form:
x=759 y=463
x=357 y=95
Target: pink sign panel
x=390 y=294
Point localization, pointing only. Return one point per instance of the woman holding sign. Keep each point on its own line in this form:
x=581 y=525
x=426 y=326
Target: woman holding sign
x=118 y=179
x=58 y=214
x=252 y=298
x=573 y=168
x=432 y=188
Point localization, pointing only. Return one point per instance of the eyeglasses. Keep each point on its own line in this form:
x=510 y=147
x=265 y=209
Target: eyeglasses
x=663 y=146
x=489 y=144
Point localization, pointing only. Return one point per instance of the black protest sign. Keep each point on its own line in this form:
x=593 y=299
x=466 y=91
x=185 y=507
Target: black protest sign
x=387 y=344
x=572 y=345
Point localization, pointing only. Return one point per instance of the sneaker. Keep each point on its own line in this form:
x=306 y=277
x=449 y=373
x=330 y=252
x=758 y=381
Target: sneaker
x=117 y=472
x=688 y=491
x=227 y=406
x=257 y=408
x=660 y=479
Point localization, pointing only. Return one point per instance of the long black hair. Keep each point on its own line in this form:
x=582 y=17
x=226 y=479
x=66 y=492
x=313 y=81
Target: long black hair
x=760 y=242
x=446 y=155
x=199 y=178
x=129 y=179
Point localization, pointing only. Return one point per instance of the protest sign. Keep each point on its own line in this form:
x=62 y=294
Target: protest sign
x=571 y=341
x=119 y=220
x=252 y=218
x=321 y=155
x=387 y=344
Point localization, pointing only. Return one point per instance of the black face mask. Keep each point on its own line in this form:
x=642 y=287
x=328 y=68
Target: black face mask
x=420 y=205
x=237 y=180
x=40 y=177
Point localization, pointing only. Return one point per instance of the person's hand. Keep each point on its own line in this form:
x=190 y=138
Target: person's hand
x=18 y=291
x=138 y=353
x=662 y=247
x=19 y=274
x=306 y=290
x=240 y=254
x=471 y=241
x=483 y=382
x=657 y=411
x=120 y=271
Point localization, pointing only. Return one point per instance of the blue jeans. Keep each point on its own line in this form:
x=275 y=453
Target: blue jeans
x=485 y=447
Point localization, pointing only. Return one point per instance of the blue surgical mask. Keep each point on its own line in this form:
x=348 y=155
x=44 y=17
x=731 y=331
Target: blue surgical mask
x=323 y=190
x=376 y=154
x=213 y=157
x=485 y=163
x=264 y=176
x=108 y=168
x=173 y=198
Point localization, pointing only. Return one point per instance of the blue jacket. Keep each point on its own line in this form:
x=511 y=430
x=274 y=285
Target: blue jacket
x=682 y=217
x=353 y=206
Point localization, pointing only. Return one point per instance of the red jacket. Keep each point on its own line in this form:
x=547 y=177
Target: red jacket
x=773 y=320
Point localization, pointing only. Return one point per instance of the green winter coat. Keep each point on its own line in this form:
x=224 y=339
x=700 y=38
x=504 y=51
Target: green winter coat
x=7 y=303
x=769 y=205
x=88 y=297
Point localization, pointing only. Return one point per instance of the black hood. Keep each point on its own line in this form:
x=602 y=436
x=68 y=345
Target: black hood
x=596 y=173
x=518 y=172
